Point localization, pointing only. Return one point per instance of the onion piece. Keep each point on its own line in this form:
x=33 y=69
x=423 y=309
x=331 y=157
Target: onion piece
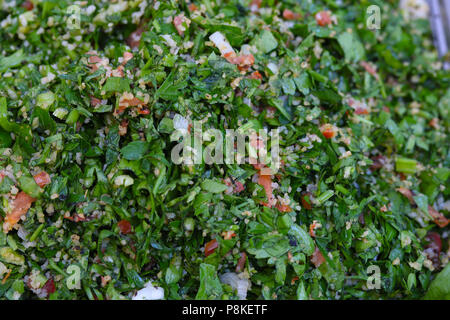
x=238 y=284
x=225 y=48
x=149 y=292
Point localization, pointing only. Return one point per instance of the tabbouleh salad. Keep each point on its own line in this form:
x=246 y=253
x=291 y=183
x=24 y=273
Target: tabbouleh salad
x=92 y=207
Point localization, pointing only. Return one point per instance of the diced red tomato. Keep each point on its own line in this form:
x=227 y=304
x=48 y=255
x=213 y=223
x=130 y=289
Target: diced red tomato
x=265 y=181
x=283 y=207
x=360 y=111
x=135 y=38
x=255 y=4
x=312 y=227
x=181 y=23
x=433 y=247
x=92 y=62
x=256 y=75
x=228 y=235
x=127 y=56
x=42 y=179
x=238 y=187
x=123 y=127
x=132 y=102
x=328 y=130
x=28 y=5
x=95 y=102
x=370 y=69
x=177 y=22
x=438 y=217
x=434 y=240
x=210 y=247
x=434 y=123
x=243 y=62
x=407 y=193
x=306 y=203
x=49 y=287
x=192 y=7
x=20 y=206
x=378 y=162
x=143 y=111
x=317 y=258
x=241 y=262
x=76 y=218
x=290 y=15
x=323 y=18
x=124 y=226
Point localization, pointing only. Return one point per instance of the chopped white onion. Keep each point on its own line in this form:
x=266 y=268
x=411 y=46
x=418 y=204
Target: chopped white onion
x=222 y=43
x=149 y=292
x=238 y=284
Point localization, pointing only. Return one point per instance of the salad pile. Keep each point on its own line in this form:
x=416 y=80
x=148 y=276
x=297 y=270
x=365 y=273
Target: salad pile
x=93 y=207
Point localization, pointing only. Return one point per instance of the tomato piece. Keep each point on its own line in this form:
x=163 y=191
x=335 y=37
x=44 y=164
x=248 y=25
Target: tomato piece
x=123 y=127
x=323 y=18
x=143 y=111
x=124 y=226
x=312 y=227
x=438 y=217
x=290 y=15
x=369 y=69
x=433 y=247
x=378 y=162
x=255 y=4
x=127 y=56
x=228 y=235
x=95 y=101
x=407 y=193
x=434 y=240
x=243 y=62
x=49 y=287
x=238 y=187
x=28 y=5
x=283 y=207
x=210 y=247
x=192 y=7
x=241 y=262
x=328 y=134
x=177 y=22
x=42 y=179
x=256 y=75
x=434 y=123
x=135 y=38
x=21 y=204
x=317 y=258
x=360 y=111
x=328 y=130
x=306 y=201
x=265 y=181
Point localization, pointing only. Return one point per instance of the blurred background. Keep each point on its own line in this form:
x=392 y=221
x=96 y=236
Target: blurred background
x=440 y=24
